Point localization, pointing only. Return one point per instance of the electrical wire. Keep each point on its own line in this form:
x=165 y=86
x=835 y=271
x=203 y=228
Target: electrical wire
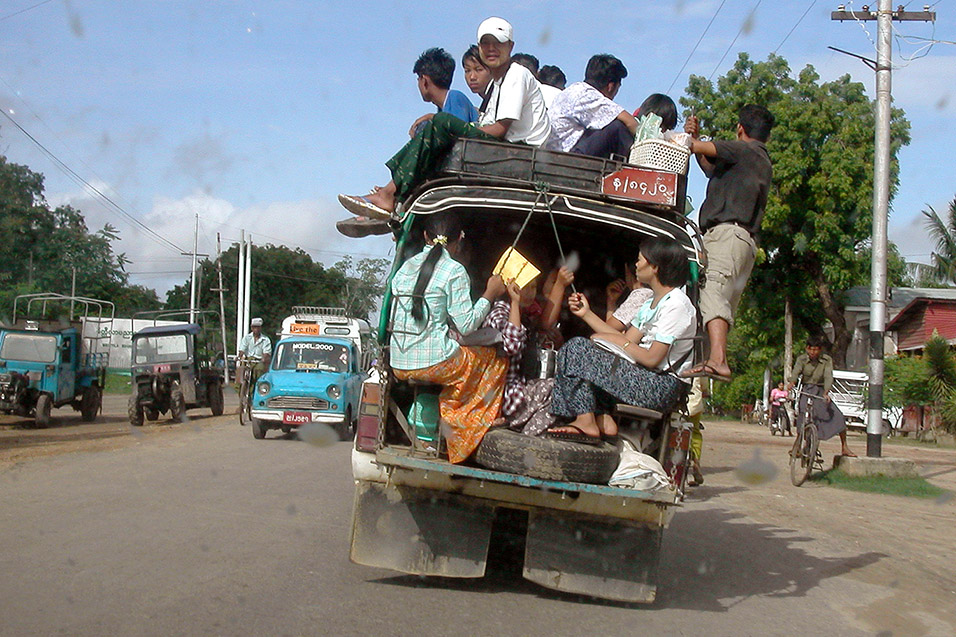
x=73 y=175
x=795 y=26
x=739 y=31
x=15 y=13
x=699 y=40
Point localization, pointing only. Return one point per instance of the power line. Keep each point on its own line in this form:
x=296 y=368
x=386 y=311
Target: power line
x=38 y=4
x=93 y=189
x=795 y=26
x=699 y=40
x=734 y=41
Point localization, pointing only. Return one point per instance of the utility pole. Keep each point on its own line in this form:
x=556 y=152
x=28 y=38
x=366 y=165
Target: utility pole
x=884 y=17
x=222 y=308
x=192 y=276
x=241 y=291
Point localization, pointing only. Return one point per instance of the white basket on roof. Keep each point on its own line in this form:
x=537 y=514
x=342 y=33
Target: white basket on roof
x=660 y=154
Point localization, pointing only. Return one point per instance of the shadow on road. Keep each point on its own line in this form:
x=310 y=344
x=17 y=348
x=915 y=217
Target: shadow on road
x=711 y=560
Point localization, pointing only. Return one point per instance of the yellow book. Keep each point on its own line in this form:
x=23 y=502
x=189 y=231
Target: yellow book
x=513 y=266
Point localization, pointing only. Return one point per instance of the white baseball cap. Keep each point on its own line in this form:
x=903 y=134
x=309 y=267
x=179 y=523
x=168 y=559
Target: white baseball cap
x=256 y=322
x=498 y=27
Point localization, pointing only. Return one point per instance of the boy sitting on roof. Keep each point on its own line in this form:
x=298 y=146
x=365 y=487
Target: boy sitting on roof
x=435 y=69
x=584 y=117
x=515 y=113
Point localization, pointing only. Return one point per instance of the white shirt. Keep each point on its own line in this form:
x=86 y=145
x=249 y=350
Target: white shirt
x=549 y=92
x=576 y=109
x=673 y=322
x=517 y=96
x=250 y=346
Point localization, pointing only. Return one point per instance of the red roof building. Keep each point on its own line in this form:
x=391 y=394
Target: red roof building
x=915 y=323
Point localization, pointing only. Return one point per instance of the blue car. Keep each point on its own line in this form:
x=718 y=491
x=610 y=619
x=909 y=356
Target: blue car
x=311 y=379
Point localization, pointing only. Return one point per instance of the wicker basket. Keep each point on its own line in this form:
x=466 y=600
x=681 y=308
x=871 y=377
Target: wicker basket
x=660 y=155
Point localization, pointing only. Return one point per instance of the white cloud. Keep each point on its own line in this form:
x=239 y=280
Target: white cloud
x=309 y=225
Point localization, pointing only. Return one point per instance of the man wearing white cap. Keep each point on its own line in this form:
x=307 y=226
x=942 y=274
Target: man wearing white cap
x=515 y=113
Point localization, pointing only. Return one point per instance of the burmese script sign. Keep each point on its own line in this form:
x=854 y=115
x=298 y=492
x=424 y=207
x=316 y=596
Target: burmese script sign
x=650 y=186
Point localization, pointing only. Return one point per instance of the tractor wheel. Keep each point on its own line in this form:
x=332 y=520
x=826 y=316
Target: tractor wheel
x=43 y=409
x=90 y=403
x=177 y=403
x=216 y=400
x=135 y=411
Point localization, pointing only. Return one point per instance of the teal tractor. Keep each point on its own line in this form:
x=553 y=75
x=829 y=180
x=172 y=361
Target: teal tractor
x=54 y=353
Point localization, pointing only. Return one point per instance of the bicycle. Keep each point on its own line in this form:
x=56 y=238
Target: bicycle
x=247 y=381
x=805 y=455
x=779 y=420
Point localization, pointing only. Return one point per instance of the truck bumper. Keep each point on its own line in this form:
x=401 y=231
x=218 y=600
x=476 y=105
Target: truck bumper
x=276 y=415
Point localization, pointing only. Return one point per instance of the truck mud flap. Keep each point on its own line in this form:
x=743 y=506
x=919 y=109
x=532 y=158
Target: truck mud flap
x=420 y=531
x=614 y=560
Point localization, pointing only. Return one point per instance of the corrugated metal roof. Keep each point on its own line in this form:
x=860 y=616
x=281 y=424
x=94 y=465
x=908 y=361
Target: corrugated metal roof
x=898 y=298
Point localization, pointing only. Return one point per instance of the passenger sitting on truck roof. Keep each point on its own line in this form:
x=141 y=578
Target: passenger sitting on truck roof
x=435 y=69
x=589 y=380
x=662 y=106
x=515 y=113
x=477 y=75
x=584 y=117
x=431 y=290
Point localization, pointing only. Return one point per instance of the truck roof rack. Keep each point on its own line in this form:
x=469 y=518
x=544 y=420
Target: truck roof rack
x=311 y=311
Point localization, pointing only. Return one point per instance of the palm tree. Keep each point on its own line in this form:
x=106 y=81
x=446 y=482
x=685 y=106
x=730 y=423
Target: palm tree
x=944 y=233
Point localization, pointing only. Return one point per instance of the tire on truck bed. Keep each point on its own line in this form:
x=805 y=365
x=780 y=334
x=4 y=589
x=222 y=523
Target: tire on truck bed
x=546 y=458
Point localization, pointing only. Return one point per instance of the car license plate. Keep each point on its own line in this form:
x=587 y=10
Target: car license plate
x=296 y=417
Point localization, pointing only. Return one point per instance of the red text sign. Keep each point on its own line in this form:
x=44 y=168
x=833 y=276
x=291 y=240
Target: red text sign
x=296 y=417
x=643 y=185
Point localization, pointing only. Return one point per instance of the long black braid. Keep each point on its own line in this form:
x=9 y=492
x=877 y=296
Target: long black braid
x=437 y=226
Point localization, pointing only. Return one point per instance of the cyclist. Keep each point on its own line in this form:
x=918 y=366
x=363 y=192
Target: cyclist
x=815 y=369
x=257 y=349
x=778 y=399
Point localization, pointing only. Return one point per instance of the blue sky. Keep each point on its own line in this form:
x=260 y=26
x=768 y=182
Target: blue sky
x=256 y=114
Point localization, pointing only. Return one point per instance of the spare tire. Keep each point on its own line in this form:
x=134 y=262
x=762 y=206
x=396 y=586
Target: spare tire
x=547 y=458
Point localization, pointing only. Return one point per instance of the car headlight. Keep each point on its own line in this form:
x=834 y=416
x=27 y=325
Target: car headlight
x=264 y=388
x=334 y=391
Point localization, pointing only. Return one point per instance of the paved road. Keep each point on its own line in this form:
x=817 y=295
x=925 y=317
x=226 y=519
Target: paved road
x=200 y=529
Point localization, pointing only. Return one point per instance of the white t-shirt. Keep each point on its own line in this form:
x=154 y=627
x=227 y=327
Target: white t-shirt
x=576 y=109
x=517 y=96
x=549 y=92
x=673 y=322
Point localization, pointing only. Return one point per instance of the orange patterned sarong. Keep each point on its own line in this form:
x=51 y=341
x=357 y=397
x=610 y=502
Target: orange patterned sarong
x=470 y=400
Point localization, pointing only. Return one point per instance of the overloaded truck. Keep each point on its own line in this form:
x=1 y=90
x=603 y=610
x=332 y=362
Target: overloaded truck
x=414 y=511
x=316 y=373
x=47 y=361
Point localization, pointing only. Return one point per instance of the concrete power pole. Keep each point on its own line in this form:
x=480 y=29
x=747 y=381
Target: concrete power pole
x=222 y=309
x=240 y=291
x=884 y=17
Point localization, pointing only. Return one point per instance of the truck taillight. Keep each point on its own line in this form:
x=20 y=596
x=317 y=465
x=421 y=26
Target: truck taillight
x=366 y=434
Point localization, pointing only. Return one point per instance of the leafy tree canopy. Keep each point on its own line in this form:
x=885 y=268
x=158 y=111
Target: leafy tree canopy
x=817 y=228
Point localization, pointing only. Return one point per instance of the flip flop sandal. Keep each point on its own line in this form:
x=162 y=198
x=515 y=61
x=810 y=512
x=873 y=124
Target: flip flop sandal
x=362 y=207
x=359 y=227
x=567 y=436
x=706 y=371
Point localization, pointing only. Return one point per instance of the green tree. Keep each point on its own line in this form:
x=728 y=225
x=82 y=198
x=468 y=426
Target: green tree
x=281 y=278
x=817 y=228
x=943 y=232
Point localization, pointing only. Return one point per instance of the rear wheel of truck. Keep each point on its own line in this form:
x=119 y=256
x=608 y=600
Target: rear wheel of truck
x=43 y=409
x=177 y=404
x=90 y=403
x=216 y=400
x=134 y=411
x=258 y=429
x=546 y=458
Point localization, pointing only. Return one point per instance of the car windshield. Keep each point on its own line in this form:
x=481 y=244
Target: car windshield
x=323 y=357
x=35 y=348
x=160 y=349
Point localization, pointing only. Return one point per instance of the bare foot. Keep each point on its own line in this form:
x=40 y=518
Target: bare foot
x=849 y=454
x=607 y=425
x=583 y=424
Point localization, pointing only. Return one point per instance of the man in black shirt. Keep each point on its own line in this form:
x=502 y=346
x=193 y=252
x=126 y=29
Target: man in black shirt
x=739 y=173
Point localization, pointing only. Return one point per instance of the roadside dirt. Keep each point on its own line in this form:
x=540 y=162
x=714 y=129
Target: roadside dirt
x=905 y=547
